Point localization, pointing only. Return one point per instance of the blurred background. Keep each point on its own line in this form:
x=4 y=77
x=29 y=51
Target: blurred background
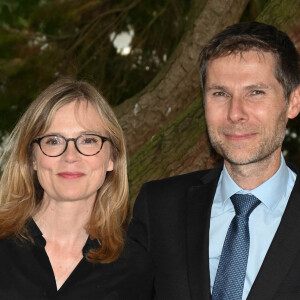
x=143 y=57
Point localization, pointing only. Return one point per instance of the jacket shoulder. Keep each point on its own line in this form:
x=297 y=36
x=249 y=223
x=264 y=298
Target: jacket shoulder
x=181 y=182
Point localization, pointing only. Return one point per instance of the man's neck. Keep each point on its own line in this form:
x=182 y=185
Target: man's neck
x=250 y=176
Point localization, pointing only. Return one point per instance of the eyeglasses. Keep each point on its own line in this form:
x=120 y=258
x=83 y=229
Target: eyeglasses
x=86 y=144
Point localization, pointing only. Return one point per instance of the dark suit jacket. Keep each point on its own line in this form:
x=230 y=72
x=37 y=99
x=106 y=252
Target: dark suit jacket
x=171 y=220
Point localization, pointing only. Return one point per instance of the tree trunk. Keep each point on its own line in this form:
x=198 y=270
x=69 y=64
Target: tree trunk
x=177 y=85
x=180 y=147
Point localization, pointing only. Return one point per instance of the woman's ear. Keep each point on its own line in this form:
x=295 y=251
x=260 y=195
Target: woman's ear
x=110 y=165
x=294 y=104
x=34 y=163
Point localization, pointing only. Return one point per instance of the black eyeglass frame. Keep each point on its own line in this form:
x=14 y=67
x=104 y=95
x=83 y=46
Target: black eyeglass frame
x=103 y=139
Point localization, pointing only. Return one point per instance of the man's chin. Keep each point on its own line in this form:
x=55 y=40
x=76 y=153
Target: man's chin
x=240 y=159
x=240 y=162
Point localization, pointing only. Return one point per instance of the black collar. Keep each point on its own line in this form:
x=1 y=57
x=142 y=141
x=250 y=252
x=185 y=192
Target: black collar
x=40 y=241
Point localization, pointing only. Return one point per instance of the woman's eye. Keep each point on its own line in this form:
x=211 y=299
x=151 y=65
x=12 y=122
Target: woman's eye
x=90 y=141
x=52 y=141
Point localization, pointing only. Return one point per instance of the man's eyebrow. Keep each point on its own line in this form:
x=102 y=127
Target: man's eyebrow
x=216 y=87
x=257 y=86
x=248 y=87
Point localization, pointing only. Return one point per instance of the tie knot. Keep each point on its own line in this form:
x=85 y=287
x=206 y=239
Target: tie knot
x=244 y=204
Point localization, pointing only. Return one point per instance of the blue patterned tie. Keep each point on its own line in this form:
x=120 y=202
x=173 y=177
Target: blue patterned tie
x=230 y=278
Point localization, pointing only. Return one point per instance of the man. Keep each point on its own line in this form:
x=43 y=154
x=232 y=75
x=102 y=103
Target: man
x=233 y=232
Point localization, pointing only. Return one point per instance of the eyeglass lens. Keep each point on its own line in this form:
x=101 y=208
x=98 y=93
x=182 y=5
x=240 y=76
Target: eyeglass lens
x=55 y=145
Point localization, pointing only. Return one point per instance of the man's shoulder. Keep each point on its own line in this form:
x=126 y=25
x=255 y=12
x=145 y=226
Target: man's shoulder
x=169 y=194
x=293 y=167
x=185 y=180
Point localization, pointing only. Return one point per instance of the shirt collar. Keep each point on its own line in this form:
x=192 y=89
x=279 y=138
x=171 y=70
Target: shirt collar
x=35 y=233
x=269 y=193
x=40 y=241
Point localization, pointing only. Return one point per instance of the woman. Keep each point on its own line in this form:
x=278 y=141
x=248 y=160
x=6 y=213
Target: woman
x=63 y=209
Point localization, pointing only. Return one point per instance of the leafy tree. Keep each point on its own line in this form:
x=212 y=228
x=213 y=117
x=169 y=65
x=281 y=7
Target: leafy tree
x=42 y=40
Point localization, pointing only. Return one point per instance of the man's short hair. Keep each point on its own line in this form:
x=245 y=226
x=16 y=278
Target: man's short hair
x=243 y=37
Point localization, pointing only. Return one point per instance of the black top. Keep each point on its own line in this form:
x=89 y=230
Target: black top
x=26 y=273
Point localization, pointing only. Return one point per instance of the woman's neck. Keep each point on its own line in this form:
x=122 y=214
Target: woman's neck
x=63 y=221
x=63 y=226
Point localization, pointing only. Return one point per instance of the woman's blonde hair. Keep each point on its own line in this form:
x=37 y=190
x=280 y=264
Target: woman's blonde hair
x=21 y=193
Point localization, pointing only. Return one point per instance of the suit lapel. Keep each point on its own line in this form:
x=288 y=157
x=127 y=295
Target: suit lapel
x=282 y=252
x=199 y=202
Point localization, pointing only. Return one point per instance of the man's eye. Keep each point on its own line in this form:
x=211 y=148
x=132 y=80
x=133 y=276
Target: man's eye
x=219 y=94
x=257 y=92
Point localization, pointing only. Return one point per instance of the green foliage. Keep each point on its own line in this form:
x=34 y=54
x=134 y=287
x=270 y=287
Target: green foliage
x=42 y=40
x=16 y=14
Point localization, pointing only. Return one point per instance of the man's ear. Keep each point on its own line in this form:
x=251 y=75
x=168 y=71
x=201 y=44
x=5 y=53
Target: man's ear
x=294 y=104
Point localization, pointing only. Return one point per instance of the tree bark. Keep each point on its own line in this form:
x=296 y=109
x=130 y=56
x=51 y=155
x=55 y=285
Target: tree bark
x=177 y=85
x=285 y=15
x=180 y=147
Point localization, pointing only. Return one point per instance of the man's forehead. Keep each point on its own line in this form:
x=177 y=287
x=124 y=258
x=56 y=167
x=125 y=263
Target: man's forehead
x=241 y=64
x=247 y=70
x=242 y=56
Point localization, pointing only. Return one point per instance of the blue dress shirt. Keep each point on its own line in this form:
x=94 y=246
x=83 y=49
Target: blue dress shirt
x=263 y=222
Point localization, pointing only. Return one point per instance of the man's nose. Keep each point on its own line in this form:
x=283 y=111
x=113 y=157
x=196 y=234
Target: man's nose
x=237 y=110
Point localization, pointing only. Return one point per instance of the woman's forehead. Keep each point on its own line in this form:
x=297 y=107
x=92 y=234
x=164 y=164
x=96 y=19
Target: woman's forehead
x=76 y=116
